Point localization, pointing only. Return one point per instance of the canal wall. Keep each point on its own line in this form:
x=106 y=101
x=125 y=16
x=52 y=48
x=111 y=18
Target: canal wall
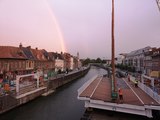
x=10 y=101
x=7 y=102
x=53 y=84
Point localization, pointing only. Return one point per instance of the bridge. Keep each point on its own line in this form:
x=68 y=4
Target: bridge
x=141 y=100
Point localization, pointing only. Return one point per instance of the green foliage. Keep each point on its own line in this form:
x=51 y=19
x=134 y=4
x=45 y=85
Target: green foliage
x=126 y=67
x=98 y=60
x=88 y=60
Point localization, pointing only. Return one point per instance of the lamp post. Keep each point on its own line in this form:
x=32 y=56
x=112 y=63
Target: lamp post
x=114 y=90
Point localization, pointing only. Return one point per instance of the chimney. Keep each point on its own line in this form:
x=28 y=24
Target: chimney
x=20 y=45
x=29 y=47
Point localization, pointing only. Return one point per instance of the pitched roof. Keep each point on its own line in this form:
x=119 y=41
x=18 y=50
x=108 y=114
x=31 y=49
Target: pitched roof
x=39 y=54
x=56 y=55
x=46 y=54
x=59 y=56
x=139 y=51
x=67 y=55
x=10 y=52
x=51 y=55
x=28 y=53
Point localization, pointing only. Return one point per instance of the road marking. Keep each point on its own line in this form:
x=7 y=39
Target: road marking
x=134 y=92
x=96 y=87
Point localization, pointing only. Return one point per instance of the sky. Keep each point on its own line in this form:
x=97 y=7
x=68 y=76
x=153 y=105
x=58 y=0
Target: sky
x=82 y=26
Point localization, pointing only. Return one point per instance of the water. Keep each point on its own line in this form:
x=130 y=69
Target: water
x=61 y=105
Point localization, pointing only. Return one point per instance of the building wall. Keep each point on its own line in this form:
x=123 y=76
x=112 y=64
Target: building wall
x=137 y=59
x=67 y=62
x=75 y=59
x=152 y=61
x=156 y=63
x=79 y=64
x=119 y=60
x=72 y=63
x=59 y=64
x=12 y=65
x=108 y=62
x=29 y=65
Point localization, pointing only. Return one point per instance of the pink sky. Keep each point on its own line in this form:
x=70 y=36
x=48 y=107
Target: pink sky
x=83 y=24
x=29 y=22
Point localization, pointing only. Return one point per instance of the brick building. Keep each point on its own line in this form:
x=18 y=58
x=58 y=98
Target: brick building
x=12 y=61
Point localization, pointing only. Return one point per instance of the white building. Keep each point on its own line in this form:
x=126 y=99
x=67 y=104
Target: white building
x=120 y=59
x=136 y=58
x=59 y=62
x=71 y=63
x=59 y=65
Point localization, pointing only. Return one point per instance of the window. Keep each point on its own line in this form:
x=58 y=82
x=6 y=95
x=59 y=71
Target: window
x=15 y=64
x=11 y=65
x=24 y=64
x=6 y=66
x=20 y=65
x=30 y=64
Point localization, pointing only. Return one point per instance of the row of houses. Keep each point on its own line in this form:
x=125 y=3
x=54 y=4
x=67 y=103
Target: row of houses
x=24 y=60
x=145 y=60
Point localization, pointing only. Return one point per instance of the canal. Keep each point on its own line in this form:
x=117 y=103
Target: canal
x=63 y=105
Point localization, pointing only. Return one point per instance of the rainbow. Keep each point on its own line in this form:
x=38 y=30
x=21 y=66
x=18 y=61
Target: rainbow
x=60 y=35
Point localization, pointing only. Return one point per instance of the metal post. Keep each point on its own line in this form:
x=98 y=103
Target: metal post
x=37 y=76
x=114 y=91
x=158 y=3
x=113 y=49
x=17 y=84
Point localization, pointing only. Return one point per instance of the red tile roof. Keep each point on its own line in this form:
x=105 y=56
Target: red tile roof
x=10 y=52
x=39 y=54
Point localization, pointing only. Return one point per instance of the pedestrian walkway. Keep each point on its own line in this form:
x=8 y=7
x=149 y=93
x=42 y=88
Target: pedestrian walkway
x=98 y=95
x=144 y=98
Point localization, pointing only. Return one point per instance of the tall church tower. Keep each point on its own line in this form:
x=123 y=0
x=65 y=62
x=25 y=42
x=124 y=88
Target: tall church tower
x=78 y=55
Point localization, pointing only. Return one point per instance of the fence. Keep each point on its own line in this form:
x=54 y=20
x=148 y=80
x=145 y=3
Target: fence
x=150 y=92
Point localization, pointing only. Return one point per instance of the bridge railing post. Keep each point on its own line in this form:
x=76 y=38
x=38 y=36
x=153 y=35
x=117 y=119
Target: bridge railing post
x=17 y=84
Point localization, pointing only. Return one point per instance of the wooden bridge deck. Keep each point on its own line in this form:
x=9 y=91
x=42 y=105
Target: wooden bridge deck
x=100 y=89
x=97 y=94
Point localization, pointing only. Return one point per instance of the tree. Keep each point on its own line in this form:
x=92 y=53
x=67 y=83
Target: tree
x=98 y=60
x=86 y=61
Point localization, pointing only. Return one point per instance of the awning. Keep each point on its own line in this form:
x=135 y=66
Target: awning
x=155 y=74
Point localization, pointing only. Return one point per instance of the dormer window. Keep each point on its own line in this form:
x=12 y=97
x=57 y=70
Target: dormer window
x=20 y=53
